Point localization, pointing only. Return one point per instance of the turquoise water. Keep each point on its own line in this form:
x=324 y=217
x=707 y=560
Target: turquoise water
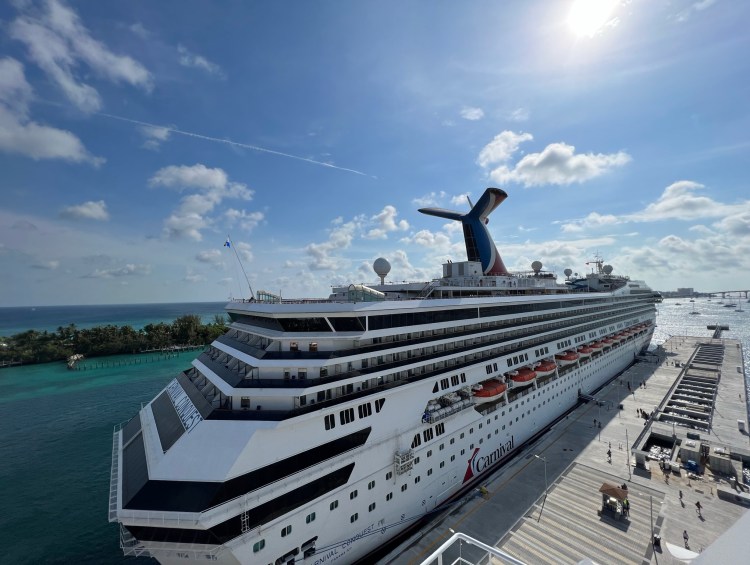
x=56 y=442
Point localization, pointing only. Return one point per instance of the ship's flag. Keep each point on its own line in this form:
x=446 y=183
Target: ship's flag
x=227 y=243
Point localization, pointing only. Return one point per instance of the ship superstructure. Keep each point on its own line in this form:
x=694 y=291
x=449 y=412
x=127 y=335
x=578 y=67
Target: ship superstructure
x=315 y=430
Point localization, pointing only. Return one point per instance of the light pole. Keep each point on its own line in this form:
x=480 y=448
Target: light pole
x=545 y=485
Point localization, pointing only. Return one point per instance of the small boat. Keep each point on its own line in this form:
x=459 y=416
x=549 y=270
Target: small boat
x=522 y=375
x=544 y=368
x=596 y=346
x=566 y=358
x=489 y=390
x=585 y=352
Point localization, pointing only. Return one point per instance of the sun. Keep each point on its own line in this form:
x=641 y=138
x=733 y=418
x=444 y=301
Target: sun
x=587 y=17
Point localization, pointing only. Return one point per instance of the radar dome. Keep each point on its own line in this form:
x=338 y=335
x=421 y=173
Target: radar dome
x=536 y=266
x=568 y=272
x=382 y=267
x=607 y=269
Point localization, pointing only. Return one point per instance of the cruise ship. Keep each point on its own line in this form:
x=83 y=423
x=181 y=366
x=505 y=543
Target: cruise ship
x=314 y=431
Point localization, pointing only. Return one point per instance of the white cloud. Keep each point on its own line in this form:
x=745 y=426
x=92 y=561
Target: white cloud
x=191 y=277
x=593 y=220
x=323 y=256
x=436 y=241
x=211 y=256
x=188 y=59
x=59 y=43
x=461 y=199
x=679 y=201
x=246 y=220
x=472 y=114
x=213 y=188
x=47 y=265
x=502 y=147
x=431 y=199
x=244 y=250
x=127 y=271
x=87 y=211
x=138 y=29
x=386 y=222
x=519 y=115
x=154 y=136
x=558 y=164
x=699 y=6
x=20 y=135
x=736 y=224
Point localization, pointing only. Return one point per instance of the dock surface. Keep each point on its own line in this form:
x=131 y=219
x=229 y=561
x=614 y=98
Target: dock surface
x=544 y=506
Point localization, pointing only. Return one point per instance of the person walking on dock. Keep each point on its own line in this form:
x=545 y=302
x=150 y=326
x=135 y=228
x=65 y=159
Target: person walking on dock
x=698 y=508
x=685 y=537
x=609 y=455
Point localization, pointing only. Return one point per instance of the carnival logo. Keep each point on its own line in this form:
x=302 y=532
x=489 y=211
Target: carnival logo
x=477 y=464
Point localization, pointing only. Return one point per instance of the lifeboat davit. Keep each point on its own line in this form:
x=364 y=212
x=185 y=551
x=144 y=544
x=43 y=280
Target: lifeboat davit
x=523 y=375
x=585 y=352
x=566 y=358
x=545 y=368
x=490 y=390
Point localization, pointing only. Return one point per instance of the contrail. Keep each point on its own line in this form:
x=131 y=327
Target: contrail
x=234 y=143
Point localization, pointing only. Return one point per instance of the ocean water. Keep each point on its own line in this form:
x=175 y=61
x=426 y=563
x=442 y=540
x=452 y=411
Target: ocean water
x=56 y=436
x=48 y=318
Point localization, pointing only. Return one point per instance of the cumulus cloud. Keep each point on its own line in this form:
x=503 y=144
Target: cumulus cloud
x=472 y=114
x=386 y=222
x=679 y=201
x=432 y=240
x=246 y=220
x=154 y=136
x=211 y=256
x=60 y=44
x=558 y=164
x=128 y=270
x=87 y=211
x=324 y=256
x=430 y=199
x=191 y=277
x=192 y=215
x=188 y=59
x=501 y=148
x=461 y=199
x=593 y=220
x=20 y=135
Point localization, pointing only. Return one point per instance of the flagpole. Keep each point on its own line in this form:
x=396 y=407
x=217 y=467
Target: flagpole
x=229 y=243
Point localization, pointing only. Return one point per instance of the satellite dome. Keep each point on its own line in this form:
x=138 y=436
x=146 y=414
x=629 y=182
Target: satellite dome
x=536 y=266
x=568 y=272
x=607 y=269
x=382 y=267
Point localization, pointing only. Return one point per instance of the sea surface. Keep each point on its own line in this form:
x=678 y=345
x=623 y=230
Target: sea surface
x=18 y=319
x=56 y=427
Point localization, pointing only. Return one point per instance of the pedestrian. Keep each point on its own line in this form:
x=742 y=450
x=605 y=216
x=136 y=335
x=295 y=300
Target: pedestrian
x=609 y=455
x=594 y=422
x=610 y=445
x=685 y=537
x=628 y=385
x=680 y=495
x=698 y=509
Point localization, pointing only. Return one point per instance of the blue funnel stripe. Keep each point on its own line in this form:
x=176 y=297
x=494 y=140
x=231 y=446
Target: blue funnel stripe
x=479 y=244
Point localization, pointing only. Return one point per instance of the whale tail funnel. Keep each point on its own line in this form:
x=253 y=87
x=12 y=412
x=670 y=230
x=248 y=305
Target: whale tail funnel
x=479 y=244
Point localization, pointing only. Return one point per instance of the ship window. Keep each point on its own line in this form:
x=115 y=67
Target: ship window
x=371 y=485
x=462 y=435
x=453 y=457
x=435 y=388
x=245 y=402
x=371 y=507
x=429 y=472
x=334 y=505
x=353 y=495
x=388 y=496
x=346 y=416
x=379 y=404
x=442 y=464
x=258 y=545
x=442 y=446
x=294 y=346
x=510 y=362
x=429 y=453
x=330 y=421
x=463 y=451
x=388 y=475
x=463 y=377
x=453 y=440
x=286 y=531
x=364 y=410
x=310 y=518
x=404 y=487
x=416 y=480
x=416 y=442
x=354 y=517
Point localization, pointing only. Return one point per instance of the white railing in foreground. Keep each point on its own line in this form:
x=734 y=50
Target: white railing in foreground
x=437 y=555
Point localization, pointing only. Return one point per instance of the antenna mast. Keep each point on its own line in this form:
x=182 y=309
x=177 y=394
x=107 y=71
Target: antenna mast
x=229 y=243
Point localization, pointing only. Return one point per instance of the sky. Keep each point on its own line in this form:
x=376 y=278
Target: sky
x=135 y=137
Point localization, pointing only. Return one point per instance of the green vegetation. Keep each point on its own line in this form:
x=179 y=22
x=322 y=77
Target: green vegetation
x=42 y=347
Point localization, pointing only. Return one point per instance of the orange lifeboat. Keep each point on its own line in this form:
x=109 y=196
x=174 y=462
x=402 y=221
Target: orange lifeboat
x=597 y=346
x=545 y=368
x=490 y=390
x=585 y=352
x=566 y=358
x=522 y=375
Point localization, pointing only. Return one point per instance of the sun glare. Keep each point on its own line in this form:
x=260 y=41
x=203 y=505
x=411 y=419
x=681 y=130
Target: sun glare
x=587 y=17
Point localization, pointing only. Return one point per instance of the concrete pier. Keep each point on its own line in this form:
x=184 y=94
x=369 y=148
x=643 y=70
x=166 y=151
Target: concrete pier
x=545 y=505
